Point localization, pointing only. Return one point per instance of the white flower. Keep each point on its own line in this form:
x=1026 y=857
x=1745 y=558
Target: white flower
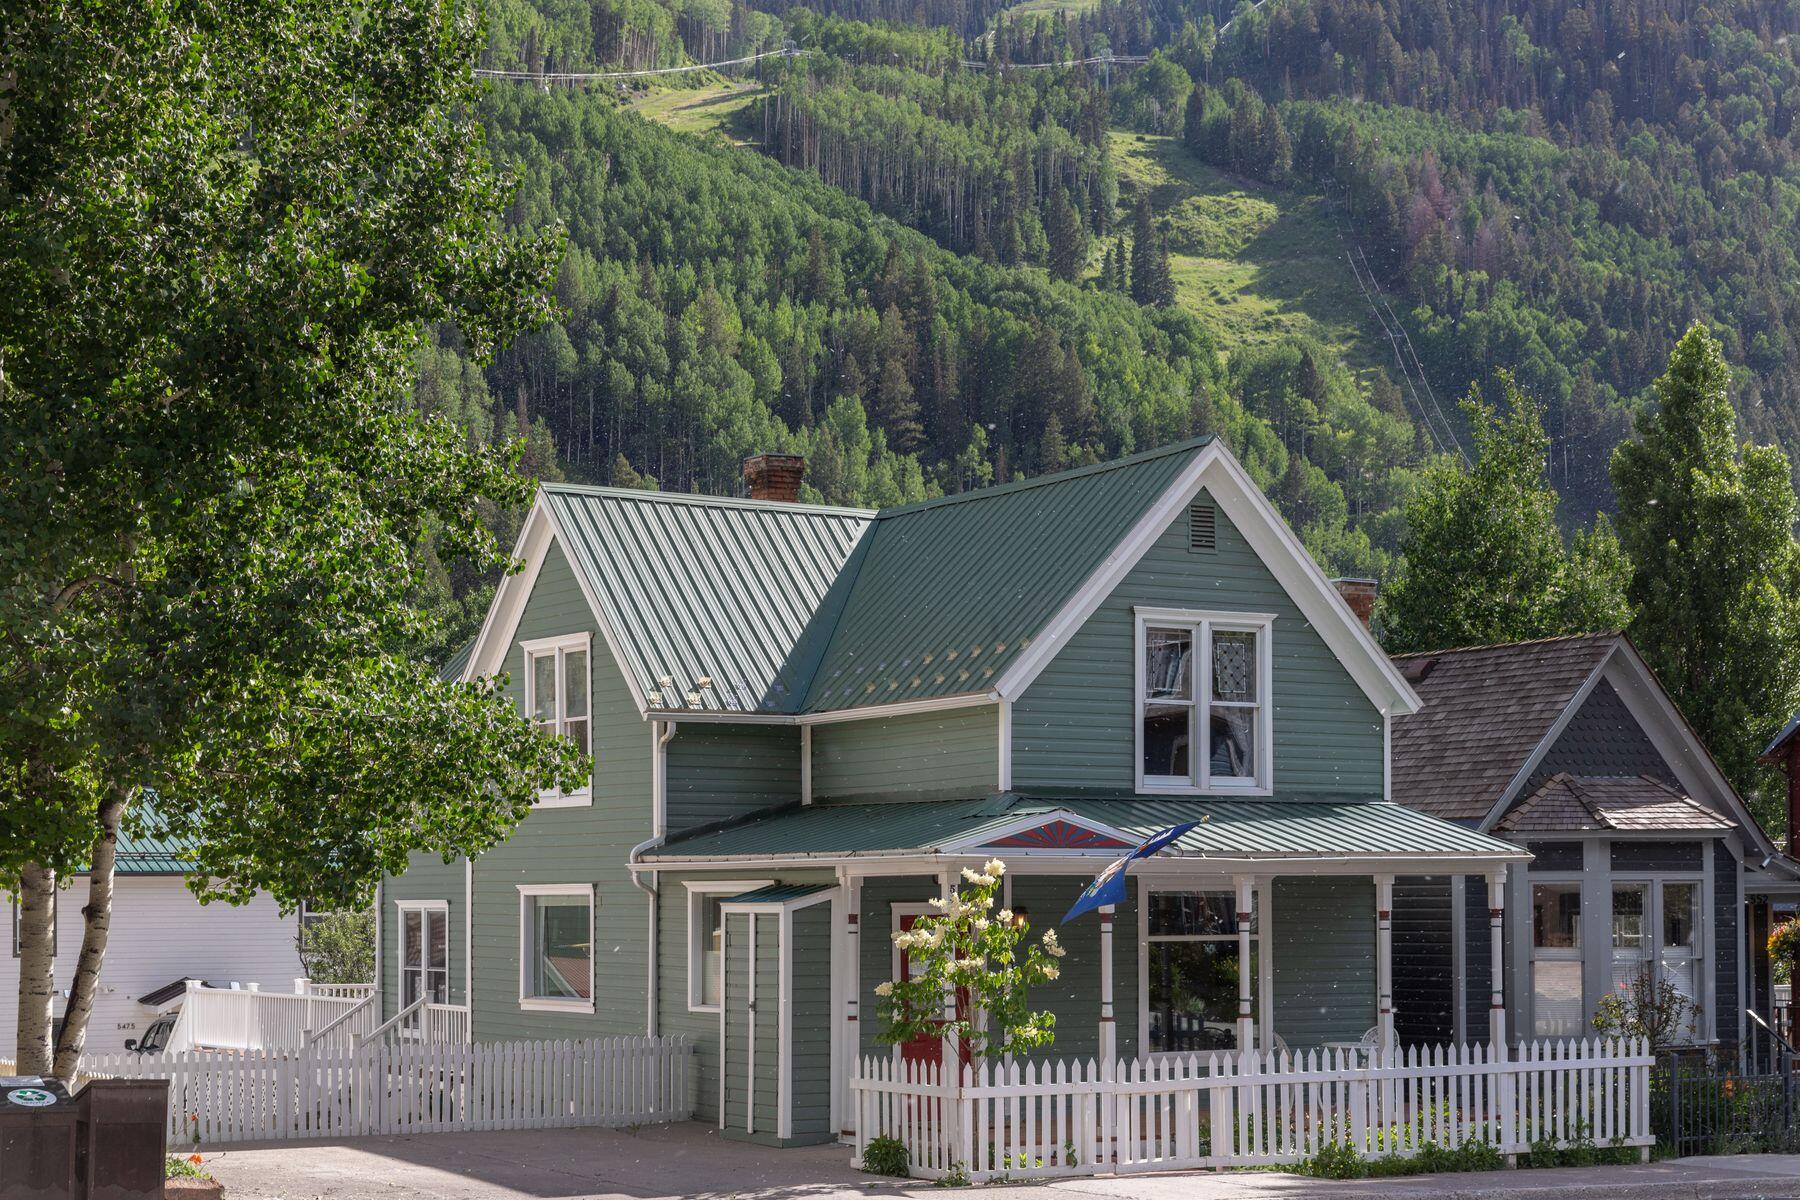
x=1051 y=972
x=939 y=902
x=1049 y=937
x=884 y=989
x=981 y=924
x=995 y=867
x=1004 y=916
x=984 y=902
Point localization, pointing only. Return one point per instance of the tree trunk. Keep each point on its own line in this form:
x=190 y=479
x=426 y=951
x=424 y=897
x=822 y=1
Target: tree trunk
x=96 y=925
x=37 y=968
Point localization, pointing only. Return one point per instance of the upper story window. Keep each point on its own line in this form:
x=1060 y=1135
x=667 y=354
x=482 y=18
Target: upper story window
x=1203 y=710
x=557 y=696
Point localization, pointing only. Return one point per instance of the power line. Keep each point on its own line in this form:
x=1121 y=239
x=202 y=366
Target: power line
x=592 y=76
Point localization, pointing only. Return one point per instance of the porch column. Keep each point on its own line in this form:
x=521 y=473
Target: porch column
x=1497 y=960
x=951 y=1059
x=1384 y=959
x=1246 y=1024
x=1109 y=1035
x=852 y=1056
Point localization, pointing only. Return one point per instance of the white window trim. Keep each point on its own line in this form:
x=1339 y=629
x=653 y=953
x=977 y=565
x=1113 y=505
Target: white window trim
x=553 y=797
x=696 y=891
x=527 y=1001
x=1702 y=957
x=1202 y=622
x=401 y=908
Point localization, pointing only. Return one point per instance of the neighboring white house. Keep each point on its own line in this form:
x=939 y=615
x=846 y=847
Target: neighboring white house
x=161 y=935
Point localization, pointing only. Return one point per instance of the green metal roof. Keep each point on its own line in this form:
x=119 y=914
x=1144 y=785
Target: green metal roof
x=778 y=893
x=1248 y=828
x=789 y=608
x=146 y=854
x=453 y=667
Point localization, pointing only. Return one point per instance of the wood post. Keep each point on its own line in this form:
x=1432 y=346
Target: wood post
x=1384 y=960
x=1497 y=960
x=1109 y=1035
x=852 y=1031
x=1246 y=1024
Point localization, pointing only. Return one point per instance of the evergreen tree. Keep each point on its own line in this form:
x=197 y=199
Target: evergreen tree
x=1068 y=238
x=1151 y=281
x=624 y=475
x=1708 y=523
x=1485 y=561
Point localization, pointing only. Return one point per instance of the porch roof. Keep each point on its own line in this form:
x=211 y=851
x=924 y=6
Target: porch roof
x=1274 y=828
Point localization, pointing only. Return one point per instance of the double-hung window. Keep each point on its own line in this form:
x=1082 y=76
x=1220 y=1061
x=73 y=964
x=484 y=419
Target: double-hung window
x=556 y=946
x=1203 y=709
x=1656 y=939
x=706 y=940
x=424 y=952
x=558 y=698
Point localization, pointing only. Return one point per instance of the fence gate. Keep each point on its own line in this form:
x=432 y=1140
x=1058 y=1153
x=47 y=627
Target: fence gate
x=1723 y=1105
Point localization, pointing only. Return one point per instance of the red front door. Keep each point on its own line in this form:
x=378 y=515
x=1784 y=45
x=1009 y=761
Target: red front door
x=928 y=1048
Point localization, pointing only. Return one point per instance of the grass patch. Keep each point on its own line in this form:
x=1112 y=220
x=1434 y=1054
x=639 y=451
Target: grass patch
x=1257 y=263
x=698 y=110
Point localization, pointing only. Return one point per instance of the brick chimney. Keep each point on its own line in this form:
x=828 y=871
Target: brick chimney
x=1360 y=595
x=774 y=476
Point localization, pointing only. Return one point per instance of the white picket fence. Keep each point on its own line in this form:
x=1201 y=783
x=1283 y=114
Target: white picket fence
x=397 y=1088
x=1240 y=1110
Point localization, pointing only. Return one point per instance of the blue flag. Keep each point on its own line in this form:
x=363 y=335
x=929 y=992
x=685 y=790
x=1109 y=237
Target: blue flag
x=1109 y=886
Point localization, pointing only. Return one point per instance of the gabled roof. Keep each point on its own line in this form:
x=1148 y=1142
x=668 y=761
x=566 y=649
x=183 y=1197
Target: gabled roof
x=1258 y=828
x=1774 y=752
x=715 y=607
x=1625 y=803
x=1487 y=708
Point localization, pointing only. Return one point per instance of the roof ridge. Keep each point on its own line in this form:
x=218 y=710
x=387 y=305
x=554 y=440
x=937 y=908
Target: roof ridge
x=1020 y=485
x=1540 y=641
x=600 y=491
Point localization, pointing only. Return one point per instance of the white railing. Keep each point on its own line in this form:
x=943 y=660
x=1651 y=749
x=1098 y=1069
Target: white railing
x=343 y=1031
x=422 y=1022
x=1040 y=1119
x=383 y=1088
x=335 y=991
x=255 y=1021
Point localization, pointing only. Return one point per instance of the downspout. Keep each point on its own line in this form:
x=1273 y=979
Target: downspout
x=661 y=733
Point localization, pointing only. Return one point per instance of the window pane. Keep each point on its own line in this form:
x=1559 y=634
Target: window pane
x=560 y=947
x=1233 y=743
x=1680 y=900
x=1193 y=914
x=1557 y=1009
x=1194 y=995
x=1556 y=917
x=437 y=941
x=1628 y=931
x=1234 y=666
x=543 y=688
x=411 y=942
x=712 y=953
x=575 y=679
x=439 y=982
x=1166 y=738
x=1168 y=669
x=577 y=732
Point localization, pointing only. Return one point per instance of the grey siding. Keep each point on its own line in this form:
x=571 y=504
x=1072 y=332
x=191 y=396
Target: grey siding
x=811 y=1027
x=718 y=772
x=572 y=845
x=1602 y=738
x=1657 y=856
x=950 y=754
x=427 y=877
x=1324 y=948
x=1556 y=856
x=1073 y=726
x=1726 y=919
x=1424 y=960
x=1477 y=959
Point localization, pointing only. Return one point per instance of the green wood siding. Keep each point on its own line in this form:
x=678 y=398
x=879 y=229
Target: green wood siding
x=876 y=951
x=1323 y=942
x=427 y=877
x=746 y=958
x=572 y=845
x=812 y=1023
x=953 y=753
x=717 y=772
x=739 y=961
x=1072 y=728
x=1075 y=995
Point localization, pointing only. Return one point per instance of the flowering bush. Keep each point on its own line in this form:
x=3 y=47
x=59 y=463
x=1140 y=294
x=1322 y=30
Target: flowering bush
x=1784 y=947
x=981 y=954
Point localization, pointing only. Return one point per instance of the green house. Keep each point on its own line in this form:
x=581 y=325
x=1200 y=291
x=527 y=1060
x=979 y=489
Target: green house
x=805 y=721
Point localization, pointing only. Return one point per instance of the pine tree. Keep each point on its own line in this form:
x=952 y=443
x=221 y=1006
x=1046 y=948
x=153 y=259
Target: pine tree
x=1068 y=238
x=1151 y=280
x=1708 y=523
x=1485 y=561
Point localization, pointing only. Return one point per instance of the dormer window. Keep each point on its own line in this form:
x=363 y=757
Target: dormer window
x=1203 y=710
x=558 y=692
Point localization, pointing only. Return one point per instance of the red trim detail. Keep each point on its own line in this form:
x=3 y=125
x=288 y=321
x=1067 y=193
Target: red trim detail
x=1060 y=835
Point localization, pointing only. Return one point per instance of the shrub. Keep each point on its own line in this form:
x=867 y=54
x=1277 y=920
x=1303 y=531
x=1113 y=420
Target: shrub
x=184 y=1167
x=887 y=1156
x=1335 y=1160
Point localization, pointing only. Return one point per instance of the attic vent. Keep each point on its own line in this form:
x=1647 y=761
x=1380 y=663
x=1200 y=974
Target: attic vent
x=1202 y=532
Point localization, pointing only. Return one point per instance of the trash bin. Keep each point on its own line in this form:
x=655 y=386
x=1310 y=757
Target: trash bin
x=37 y=1139
x=122 y=1130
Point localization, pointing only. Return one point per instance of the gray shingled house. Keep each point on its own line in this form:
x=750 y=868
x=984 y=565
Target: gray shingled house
x=1643 y=856
x=806 y=720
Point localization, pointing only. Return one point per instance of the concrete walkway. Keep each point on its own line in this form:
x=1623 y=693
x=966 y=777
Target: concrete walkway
x=691 y=1160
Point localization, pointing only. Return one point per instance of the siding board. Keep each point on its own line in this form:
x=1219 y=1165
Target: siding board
x=1324 y=948
x=950 y=754
x=1424 y=961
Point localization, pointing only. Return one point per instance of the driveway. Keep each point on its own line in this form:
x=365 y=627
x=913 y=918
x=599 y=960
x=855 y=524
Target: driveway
x=691 y=1160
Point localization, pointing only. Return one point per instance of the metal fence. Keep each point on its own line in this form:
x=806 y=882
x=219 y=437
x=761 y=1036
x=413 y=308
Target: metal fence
x=1740 y=1101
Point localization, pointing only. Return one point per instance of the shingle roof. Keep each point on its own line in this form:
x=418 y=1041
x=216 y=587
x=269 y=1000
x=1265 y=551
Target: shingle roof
x=1631 y=803
x=1257 y=828
x=1486 y=709
x=789 y=608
